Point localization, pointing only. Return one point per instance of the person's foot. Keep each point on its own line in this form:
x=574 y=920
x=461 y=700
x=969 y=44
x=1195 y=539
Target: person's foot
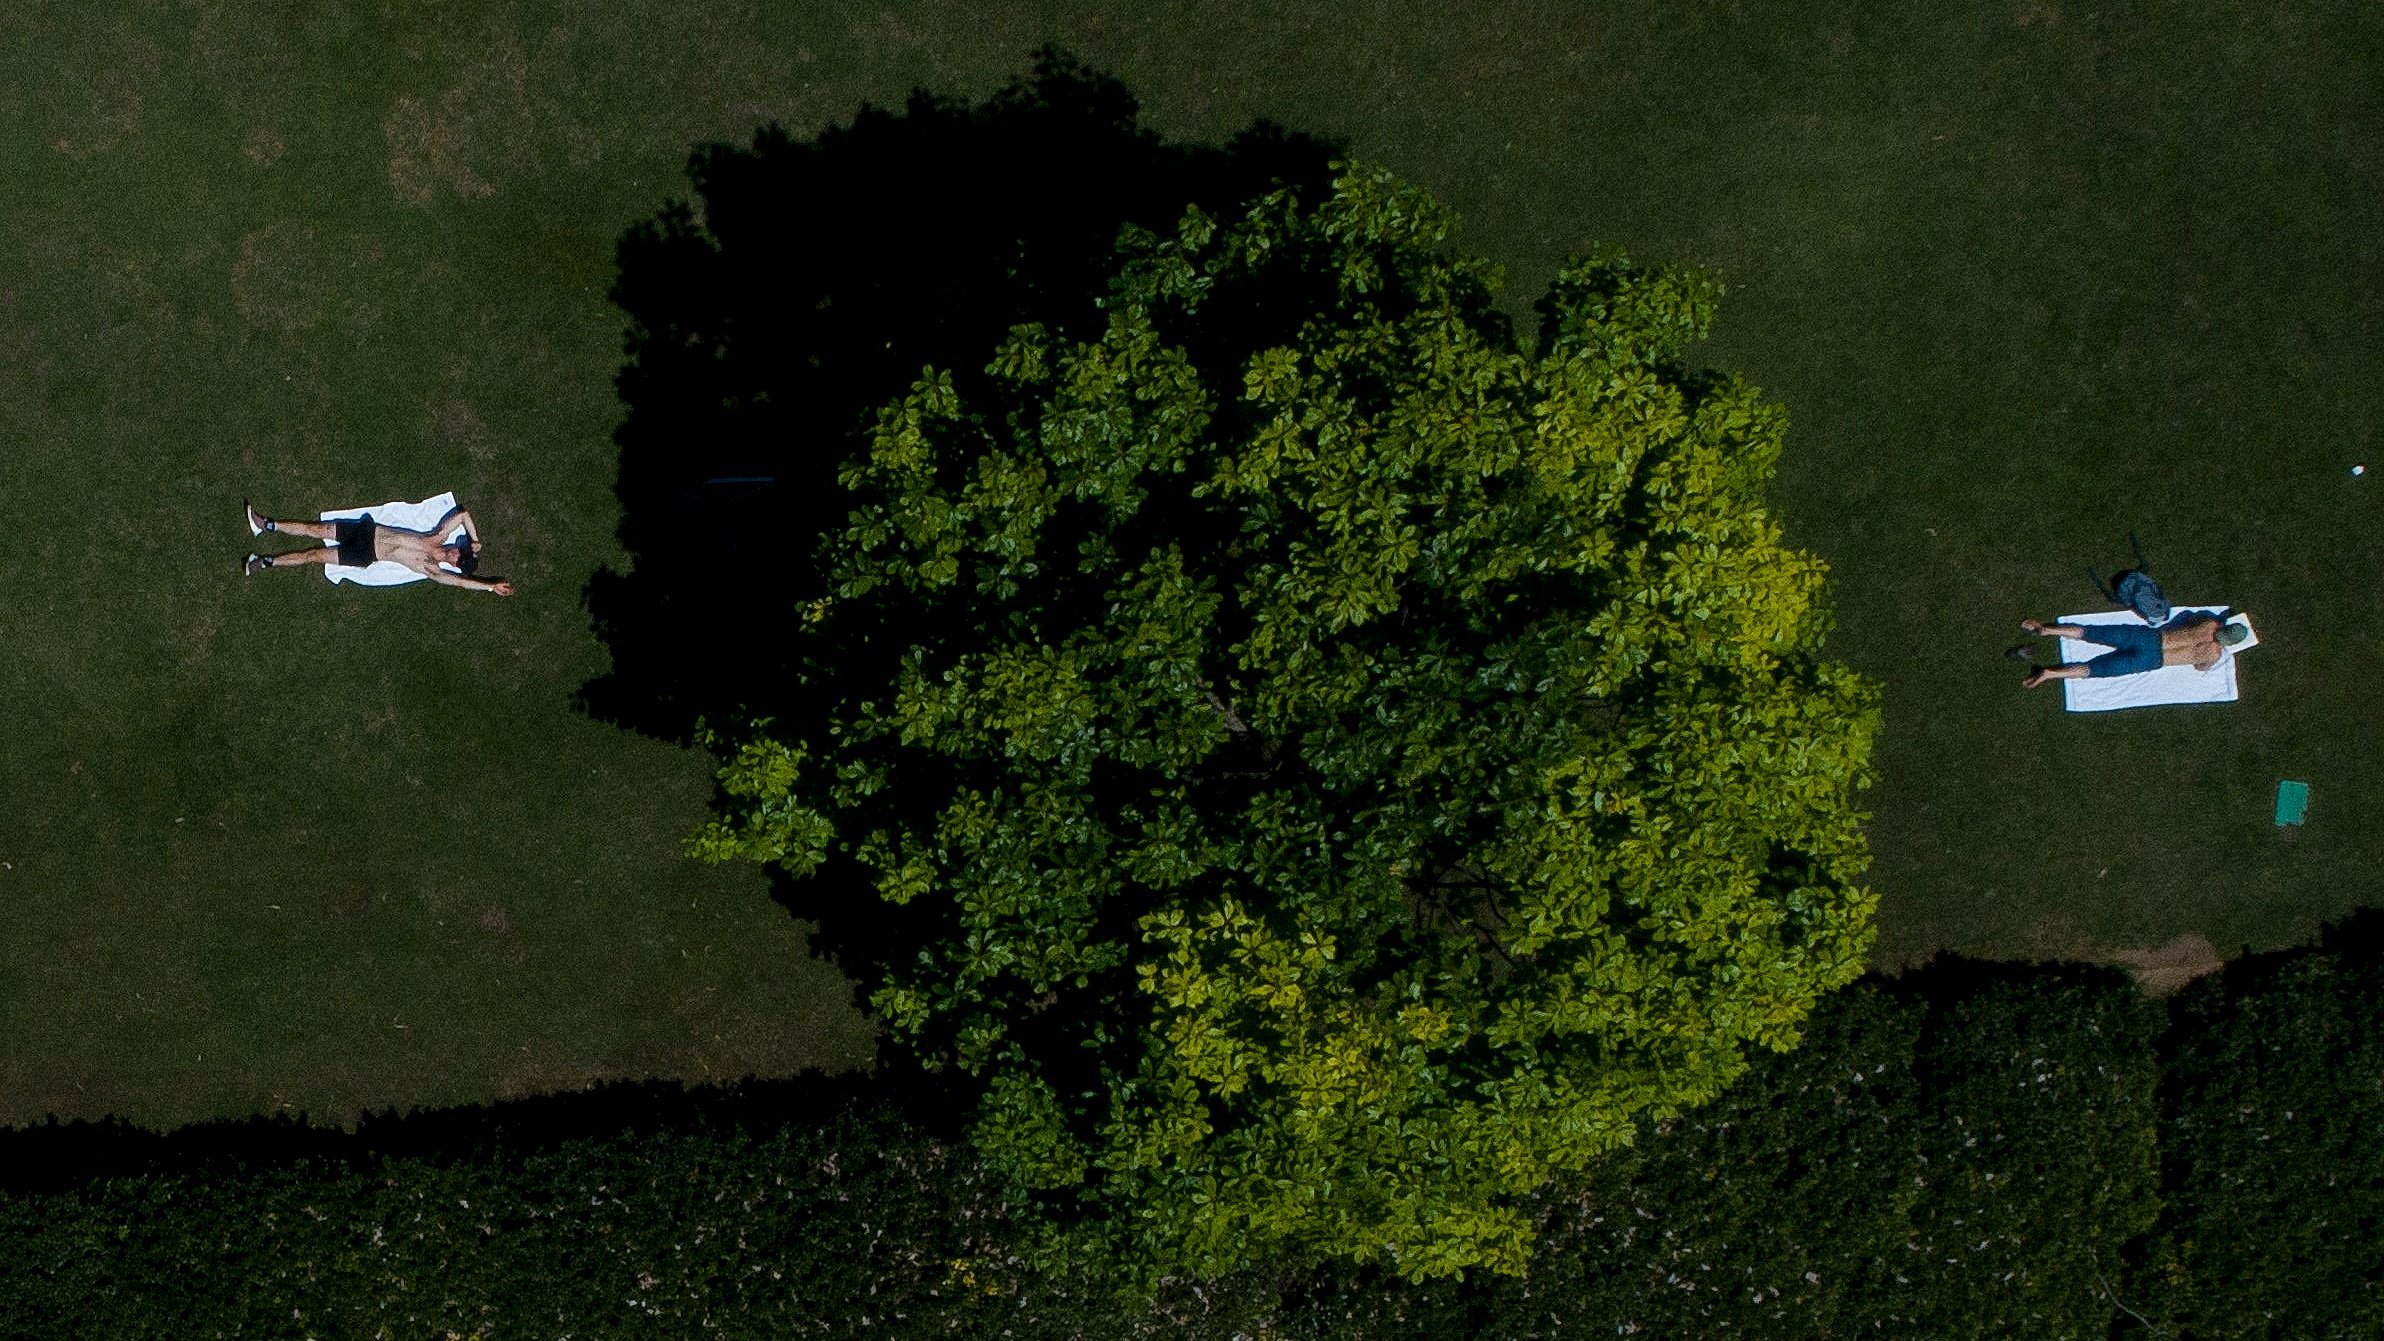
x=258 y=523
x=256 y=564
x=2032 y=626
x=2036 y=677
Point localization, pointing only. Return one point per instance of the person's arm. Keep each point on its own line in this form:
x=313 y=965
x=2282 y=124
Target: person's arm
x=441 y=575
x=460 y=517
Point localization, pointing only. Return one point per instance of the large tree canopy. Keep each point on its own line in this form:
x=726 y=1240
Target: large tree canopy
x=1330 y=769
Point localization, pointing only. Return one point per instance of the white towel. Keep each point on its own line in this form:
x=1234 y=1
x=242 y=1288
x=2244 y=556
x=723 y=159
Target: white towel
x=405 y=516
x=2169 y=684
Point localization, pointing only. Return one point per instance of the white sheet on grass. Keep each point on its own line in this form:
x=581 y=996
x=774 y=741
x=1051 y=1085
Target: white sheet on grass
x=2169 y=684
x=406 y=517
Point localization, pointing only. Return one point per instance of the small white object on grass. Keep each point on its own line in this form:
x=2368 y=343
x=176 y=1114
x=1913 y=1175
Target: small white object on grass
x=2359 y=470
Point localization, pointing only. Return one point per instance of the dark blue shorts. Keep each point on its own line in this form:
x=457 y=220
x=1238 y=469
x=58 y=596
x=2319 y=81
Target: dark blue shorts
x=2134 y=649
x=358 y=542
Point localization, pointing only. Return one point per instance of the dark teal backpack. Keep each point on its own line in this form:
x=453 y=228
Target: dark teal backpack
x=2135 y=590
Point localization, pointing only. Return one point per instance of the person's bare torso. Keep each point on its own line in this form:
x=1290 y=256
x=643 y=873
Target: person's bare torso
x=414 y=549
x=2192 y=644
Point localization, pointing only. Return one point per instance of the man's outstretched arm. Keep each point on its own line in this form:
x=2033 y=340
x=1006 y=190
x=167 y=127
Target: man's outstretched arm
x=441 y=575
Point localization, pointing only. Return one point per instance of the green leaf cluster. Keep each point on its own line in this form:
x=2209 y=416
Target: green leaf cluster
x=2274 y=1152
x=836 y=1226
x=2037 y=1161
x=1327 y=769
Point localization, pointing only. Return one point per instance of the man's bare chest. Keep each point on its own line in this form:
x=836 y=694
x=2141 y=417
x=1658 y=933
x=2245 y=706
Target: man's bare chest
x=411 y=548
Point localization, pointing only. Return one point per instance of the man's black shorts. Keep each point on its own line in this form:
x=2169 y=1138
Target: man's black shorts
x=357 y=541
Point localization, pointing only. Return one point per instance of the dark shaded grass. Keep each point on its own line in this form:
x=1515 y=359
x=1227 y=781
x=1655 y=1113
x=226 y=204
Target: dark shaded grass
x=2026 y=277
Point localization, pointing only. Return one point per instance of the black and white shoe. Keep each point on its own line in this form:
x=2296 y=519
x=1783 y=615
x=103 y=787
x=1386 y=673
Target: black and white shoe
x=258 y=523
x=256 y=564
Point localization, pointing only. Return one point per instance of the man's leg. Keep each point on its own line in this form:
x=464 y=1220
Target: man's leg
x=2134 y=650
x=302 y=558
x=258 y=522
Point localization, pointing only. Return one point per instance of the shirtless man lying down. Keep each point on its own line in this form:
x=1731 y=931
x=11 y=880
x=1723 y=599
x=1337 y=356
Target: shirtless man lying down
x=353 y=544
x=2196 y=640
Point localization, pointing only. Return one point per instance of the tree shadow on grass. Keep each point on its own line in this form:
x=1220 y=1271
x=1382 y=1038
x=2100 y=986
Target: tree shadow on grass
x=806 y=288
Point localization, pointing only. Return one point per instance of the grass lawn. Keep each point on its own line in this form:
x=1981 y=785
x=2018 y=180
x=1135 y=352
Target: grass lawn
x=2026 y=277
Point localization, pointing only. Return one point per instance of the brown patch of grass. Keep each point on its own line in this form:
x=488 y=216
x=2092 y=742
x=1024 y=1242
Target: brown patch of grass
x=493 y=919
x=125 y=282
x=25 y=362
x=489 y=125
x=202 y=624
x=112 y=116
x=454 y=426
x=262 y=148
x=2029 y=12
x=2165 y=969
x=426 y=154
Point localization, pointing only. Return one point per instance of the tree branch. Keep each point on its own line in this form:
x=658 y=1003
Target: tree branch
x=1233 y=720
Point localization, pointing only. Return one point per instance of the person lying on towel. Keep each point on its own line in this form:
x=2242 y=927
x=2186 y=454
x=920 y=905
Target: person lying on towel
x=354 y=544
x=2199 y=641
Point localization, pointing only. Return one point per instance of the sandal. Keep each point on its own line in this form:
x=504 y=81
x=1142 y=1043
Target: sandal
x=2018 y=652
